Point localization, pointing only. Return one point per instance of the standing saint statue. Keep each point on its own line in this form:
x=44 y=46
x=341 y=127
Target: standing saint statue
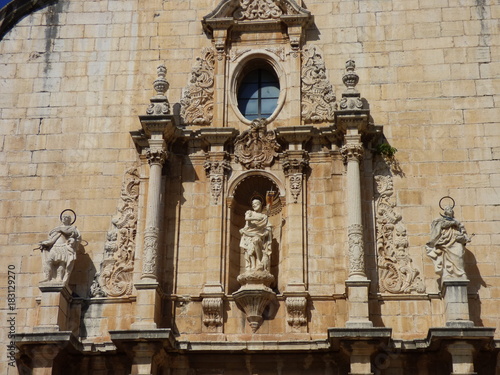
x=256 y=238
x=59 y=251
x=446 y=247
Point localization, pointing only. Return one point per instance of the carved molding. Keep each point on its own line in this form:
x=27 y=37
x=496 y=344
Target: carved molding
x=296 y=308
x=212 y=312
x=318 y=97
x=396 y=271
x=356 y=250
x=256 y=147
x=115 y=278
x=150 y=251
x=198 y=99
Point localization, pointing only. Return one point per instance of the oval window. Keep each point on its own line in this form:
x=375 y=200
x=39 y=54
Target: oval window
x=258 y=93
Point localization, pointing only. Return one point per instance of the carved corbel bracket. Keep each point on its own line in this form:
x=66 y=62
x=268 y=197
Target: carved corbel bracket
x=217 y=169
x=296 y=308
x=213 y=312
x=295 y=164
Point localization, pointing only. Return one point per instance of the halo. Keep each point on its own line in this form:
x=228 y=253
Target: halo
x=257 y=196
x=441 y=200
x=70 y=210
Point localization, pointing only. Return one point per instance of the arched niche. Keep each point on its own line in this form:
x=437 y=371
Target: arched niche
x=241 y=191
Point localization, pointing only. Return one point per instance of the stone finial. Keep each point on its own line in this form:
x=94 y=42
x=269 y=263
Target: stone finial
x=350 y=77
x=351 y=99
x=159 y=103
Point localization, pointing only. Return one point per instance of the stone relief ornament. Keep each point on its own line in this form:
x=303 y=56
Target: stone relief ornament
x=318 y=98
x=396 y=272
x=296 y=308
x=198 y=99
x=256 y=147
x=294 y=169
x=59 y=251
x=116 y=269
x=446 y=246
x=150 y=253
x=257 y=9
x=356 y=257
x=212 y=312
x=215 y=171
x=352 y=151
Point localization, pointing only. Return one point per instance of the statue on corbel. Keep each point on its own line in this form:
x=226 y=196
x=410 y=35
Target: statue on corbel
x=59 y=250
x=256 y=241
x=446 y=246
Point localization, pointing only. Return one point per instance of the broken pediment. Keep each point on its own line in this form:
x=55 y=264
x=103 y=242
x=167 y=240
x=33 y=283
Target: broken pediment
x=255 y=16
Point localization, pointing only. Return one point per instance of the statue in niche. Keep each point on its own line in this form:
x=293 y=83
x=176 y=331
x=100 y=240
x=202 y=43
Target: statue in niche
x=257 y=235
x=446 y=247
x=59 y=251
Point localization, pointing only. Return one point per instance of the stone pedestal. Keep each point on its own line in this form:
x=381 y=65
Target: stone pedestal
x=360 y=359
x=54 y=307
x=147 y=306
x=254 y=295
x=456 y=303
x=357 y=294
x=462 y=358
x=144 y=347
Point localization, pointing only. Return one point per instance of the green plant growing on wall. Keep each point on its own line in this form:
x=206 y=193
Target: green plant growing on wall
x=386 y=150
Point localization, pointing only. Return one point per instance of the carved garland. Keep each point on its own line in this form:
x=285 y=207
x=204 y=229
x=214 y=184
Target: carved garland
x=318 y=98
x=198 y=100
x=215 y=171
x=396 y=271
x=115 y=278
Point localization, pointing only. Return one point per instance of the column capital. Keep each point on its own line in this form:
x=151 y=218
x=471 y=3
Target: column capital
x=156 y=156
x=352 y=152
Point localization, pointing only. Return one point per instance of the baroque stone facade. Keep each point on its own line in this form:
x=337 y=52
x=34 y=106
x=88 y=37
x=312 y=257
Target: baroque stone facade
x=260 y=186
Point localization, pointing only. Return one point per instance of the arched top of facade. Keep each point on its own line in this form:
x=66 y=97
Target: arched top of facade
x=16 y=10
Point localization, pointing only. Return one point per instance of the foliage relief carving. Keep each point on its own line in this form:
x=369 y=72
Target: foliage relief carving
x=198 y=100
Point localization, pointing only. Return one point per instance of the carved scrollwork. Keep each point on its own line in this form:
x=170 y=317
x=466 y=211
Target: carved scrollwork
x=256 y=147
x=396 y=271
x=198 y=99
x=257 y=9
x=356 y=250
x=115 y=277
x=318 y=97
x=212 y=312
x=296 y=308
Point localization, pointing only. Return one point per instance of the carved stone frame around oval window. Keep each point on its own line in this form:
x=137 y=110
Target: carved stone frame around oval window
x=242 y=65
